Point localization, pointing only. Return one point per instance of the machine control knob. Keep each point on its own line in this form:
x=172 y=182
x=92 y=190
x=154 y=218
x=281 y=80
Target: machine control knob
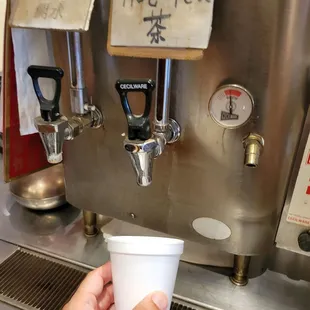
x=304 y=241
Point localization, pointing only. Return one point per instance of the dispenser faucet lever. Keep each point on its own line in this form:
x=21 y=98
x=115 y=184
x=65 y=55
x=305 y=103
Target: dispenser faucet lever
x=140 y=145
x=49 y=108
x=139 y=127
x=51 y=125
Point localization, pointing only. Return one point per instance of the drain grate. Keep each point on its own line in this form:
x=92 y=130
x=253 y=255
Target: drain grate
x=29 y=281
x=176 y=306
x=32 y=281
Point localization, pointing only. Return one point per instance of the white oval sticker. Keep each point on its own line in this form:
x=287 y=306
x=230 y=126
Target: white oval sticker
x=211 y=228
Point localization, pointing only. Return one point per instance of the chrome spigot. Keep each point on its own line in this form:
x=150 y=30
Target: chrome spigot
x=142 y=154
x=51 y=125
x=141 y=144
x=53 y=137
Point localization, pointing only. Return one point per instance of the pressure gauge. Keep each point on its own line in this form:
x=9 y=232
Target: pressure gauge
x=231 y=106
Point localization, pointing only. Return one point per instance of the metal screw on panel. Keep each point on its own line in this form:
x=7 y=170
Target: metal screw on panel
x=304 y=241
x=132 y=215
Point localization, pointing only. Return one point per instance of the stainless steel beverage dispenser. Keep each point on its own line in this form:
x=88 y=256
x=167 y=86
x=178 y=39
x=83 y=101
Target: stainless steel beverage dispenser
x=241 y=110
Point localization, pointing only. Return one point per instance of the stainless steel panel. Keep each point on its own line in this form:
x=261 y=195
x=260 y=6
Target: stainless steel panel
x=293 y=265
x=4 y=306
x=261 y=45
x=6 y=250
x=271 y=291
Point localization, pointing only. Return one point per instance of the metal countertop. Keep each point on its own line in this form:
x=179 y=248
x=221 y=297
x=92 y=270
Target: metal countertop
x=59 y=233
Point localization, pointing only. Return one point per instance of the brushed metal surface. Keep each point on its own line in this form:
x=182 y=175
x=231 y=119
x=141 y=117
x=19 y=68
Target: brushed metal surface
x=6 y=250
x=291 y=264
x=261 y=45
x=271 y=291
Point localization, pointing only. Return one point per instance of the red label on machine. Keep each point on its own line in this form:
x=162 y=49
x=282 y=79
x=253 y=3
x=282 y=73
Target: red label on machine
x=298 y=220
x=308 y=159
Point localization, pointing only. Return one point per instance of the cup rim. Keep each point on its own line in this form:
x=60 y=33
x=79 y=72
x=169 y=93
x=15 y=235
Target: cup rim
x=142 y=239
x=145 y=245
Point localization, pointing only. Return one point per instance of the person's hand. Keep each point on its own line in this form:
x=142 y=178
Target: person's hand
x=96 y=293
x=154 y=301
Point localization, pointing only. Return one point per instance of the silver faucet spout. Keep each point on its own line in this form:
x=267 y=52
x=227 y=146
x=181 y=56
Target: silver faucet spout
x=142 y=154
x=53 y=127
x=53 y=136
x=141 y=143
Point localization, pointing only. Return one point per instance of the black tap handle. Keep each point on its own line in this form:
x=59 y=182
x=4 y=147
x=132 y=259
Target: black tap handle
x=49 y=108
x=139 y=127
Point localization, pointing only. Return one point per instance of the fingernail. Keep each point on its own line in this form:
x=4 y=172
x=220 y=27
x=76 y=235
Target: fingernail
x=160 y=300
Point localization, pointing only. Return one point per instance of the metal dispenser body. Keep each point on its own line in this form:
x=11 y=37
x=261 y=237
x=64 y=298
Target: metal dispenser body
x=202 y=180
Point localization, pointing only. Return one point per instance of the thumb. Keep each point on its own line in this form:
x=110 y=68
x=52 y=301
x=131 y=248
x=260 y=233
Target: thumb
x=154 y=301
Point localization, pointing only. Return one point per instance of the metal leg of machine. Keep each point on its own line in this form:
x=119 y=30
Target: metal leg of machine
x=90 y=224
x=241 y=270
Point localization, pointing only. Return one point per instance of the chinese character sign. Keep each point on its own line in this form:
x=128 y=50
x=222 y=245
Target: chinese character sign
x=71 y=15
x=161 y=23
x=49 y=10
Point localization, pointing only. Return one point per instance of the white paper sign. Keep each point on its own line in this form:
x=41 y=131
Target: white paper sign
x=31 y=47
x=299 y=210
x=71 y=15
x=162 y=23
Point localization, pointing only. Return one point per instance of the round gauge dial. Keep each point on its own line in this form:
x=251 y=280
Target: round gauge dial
x=231 y=106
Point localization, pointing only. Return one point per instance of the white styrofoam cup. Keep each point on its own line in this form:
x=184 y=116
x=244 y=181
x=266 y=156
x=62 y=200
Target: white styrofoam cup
x=142 y=265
